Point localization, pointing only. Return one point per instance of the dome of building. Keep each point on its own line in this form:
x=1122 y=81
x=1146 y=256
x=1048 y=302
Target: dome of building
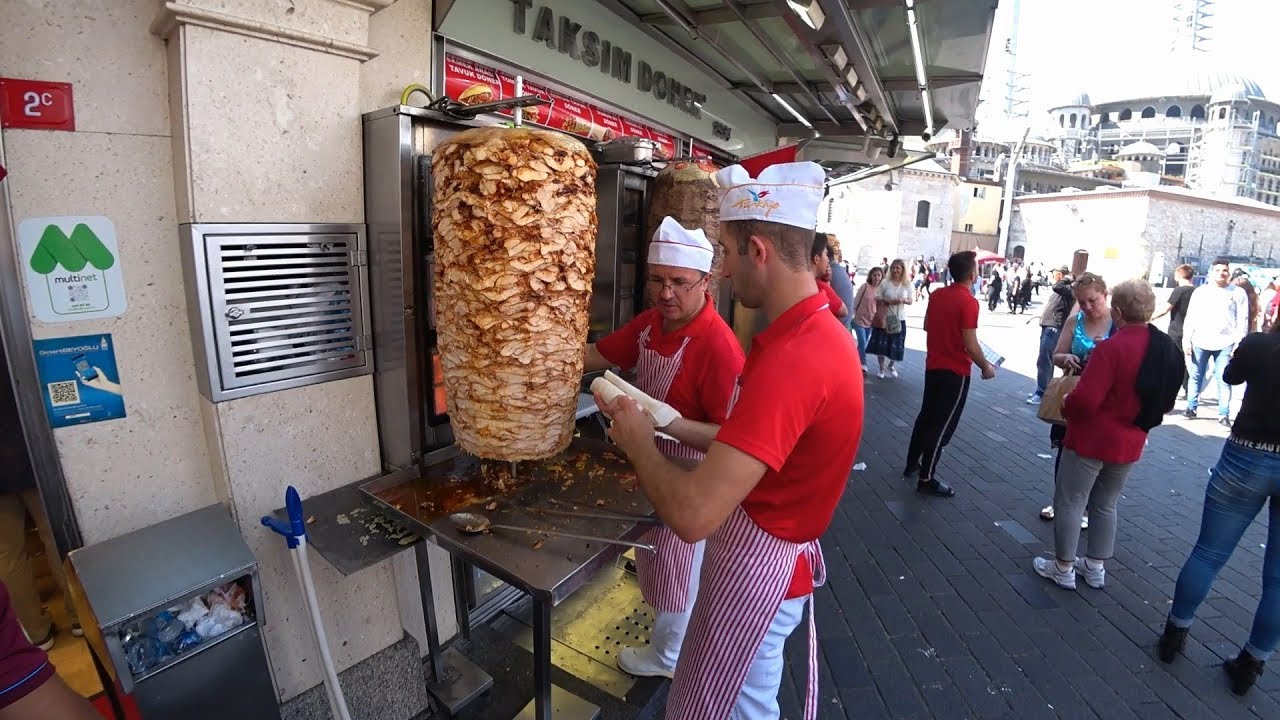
x=1231 y=94
x=1181 y=76
x=1139 y=148
x=1080 y=99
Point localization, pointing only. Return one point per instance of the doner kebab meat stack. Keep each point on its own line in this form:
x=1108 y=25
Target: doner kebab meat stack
x=514 y=212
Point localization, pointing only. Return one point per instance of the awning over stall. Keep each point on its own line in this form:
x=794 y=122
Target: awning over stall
x=859 y=73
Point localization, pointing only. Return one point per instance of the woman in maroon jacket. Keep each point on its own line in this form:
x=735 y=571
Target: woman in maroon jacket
x=1102 y=442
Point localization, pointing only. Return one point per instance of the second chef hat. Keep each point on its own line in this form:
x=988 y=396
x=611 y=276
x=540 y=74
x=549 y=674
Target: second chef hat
x=788 y=193
x=674 y=246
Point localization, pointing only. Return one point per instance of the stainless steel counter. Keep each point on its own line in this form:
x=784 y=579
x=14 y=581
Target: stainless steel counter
x=548 y=566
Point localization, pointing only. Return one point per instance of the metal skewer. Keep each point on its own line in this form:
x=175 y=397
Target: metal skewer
x=471 y=523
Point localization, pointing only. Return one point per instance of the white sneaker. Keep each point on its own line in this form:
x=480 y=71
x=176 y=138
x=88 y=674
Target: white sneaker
x=1093 y=578
x=893 y=371
x=1084 y=523
x=643 y=662
x=880 y=375
x=1047 y=568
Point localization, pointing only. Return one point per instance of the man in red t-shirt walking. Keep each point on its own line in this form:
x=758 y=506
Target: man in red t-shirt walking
x=952 y=346
x=684 y=355
x=774 y=472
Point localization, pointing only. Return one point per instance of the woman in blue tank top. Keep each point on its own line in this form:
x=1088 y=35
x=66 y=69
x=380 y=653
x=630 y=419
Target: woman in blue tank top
x=1089 y=323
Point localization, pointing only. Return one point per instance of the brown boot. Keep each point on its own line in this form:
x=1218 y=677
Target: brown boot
x=1243 y=671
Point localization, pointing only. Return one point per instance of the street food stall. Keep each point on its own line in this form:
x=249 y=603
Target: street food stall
x=486 y=433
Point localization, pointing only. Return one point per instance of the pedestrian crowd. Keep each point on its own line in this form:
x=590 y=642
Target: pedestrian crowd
x=1120 y=376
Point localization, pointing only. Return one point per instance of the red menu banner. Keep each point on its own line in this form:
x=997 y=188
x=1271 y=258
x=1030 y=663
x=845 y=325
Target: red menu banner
x=471 y=83
x=700 y=152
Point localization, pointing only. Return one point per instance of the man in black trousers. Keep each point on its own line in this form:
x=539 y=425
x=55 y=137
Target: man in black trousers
x=951 y=322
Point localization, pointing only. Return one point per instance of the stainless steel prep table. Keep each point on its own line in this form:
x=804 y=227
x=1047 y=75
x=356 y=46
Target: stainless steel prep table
x=548 y=568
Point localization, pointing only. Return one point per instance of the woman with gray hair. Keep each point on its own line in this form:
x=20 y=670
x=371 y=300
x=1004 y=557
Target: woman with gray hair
x=1131 y=379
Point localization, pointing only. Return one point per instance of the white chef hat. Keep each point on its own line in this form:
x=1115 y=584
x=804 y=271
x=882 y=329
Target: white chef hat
x=675 y=246
x=788 y=193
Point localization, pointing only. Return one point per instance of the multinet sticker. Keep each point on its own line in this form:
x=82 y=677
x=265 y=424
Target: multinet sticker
x=72 y=268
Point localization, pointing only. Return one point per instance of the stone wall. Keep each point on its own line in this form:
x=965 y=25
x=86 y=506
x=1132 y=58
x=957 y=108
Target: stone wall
x=875 y=231
x=1109 y=226
x=1202 y=231
x=1123 y=231
x=219 y=111
x=939 y=191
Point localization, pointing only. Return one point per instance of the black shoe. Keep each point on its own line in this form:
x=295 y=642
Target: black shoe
x=1224 y=422
x=934 y=487
x=1172 y=642
x=1243 y=671
x=911 y=472
x=1189 y=414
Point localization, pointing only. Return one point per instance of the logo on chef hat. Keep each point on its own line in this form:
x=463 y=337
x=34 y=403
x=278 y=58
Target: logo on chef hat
x=788 y=193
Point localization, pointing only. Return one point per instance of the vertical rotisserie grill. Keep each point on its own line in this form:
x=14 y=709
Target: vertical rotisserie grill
x=514 y=217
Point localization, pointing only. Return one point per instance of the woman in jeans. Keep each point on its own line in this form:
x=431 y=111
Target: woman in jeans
x=1102 y=442
x=1247 y=474
x=864 y=311
x=893 y=296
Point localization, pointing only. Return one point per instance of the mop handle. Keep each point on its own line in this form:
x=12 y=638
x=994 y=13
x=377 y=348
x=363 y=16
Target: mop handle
x=337 y=702
x=295 y=535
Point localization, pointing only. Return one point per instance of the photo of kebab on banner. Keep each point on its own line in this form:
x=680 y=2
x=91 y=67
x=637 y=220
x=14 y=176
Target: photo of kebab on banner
x=575 y=126
x=476 y=94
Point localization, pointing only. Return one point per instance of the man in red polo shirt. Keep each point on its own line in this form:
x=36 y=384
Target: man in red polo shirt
x=29 y=687
x=775 y=470
x=686 y=356
x=951 y=348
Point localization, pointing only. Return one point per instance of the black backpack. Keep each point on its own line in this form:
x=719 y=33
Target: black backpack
x=1159 y=378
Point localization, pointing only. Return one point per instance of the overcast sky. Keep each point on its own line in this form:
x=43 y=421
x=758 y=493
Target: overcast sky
x=1109 y=47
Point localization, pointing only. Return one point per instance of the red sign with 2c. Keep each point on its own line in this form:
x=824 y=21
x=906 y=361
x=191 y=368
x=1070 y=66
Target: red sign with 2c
x=36 y=105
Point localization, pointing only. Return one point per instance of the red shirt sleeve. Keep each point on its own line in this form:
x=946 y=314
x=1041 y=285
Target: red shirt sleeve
x=767 y=421
x=23 y=666
x=832 y=298
x=721 y=368
x=621 y=347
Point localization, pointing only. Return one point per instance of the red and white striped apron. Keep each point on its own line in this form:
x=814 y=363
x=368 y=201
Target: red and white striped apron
x=664 y=576
x=745 y=574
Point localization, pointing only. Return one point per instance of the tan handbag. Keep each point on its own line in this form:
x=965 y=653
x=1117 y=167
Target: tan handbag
x=1050 y=409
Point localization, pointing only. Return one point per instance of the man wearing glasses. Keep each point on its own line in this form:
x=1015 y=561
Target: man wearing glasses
x=686 y=356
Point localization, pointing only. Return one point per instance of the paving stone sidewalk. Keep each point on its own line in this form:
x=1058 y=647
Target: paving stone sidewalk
x=931 y=609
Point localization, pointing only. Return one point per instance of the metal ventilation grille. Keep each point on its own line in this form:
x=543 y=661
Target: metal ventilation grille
x=280 y=305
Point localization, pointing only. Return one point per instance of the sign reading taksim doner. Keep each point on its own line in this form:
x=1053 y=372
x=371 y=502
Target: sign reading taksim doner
x=570 y=38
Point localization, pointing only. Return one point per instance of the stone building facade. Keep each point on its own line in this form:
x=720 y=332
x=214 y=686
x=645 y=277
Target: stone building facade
x=1144 y=232
x=906 y=215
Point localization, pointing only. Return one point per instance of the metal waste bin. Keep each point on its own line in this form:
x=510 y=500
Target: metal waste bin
x=122 y=588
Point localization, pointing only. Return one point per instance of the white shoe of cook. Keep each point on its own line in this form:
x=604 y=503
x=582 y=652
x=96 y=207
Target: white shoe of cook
x=1048 y=568
x=643 y=662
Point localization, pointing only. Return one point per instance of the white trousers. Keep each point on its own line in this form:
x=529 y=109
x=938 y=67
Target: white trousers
x=669 y=627
x=758 y=699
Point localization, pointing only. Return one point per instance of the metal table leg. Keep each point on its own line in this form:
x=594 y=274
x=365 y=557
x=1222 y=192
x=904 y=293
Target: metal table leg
x=453 y=680
x=420 y=555
x=542 y=658
x=550 y=700
x=462 y=595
